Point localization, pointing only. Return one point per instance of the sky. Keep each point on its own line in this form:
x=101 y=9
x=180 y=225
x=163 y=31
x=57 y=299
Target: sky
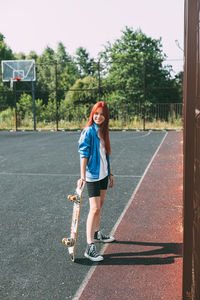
x=34 y=25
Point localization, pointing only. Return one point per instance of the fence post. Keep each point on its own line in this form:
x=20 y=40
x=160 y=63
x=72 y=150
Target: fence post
x=99 y=79
x=172 y=112
x=144 y=92
x=15 y=97
x=33 y=97
x=56 y=92
x=190 y=41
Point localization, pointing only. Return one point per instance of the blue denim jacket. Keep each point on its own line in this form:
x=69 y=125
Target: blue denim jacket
x=89 y=147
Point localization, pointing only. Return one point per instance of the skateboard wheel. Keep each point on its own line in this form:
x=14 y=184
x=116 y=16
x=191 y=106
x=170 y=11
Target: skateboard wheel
x=67 y=242
x=72 y=198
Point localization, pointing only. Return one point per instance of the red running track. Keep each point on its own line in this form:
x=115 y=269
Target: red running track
x=145 y=263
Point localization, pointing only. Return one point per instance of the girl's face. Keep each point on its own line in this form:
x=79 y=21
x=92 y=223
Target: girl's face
x=98 y=116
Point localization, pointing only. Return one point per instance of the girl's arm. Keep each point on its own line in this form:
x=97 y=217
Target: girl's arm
x=83 y=167
x=83 y=171
x=111 y=179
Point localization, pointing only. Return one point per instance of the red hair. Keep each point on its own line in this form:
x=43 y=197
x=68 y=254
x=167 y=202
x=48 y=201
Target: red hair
x=104 y=129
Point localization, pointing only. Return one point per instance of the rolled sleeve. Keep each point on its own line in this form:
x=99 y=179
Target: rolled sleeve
x=84 y=144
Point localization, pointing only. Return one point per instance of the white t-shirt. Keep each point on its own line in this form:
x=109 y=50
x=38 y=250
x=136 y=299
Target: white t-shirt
x=103 y=172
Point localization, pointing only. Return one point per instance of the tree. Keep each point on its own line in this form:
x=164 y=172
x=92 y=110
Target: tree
x=67 y=71
x=56 y=71
x=32 y=55
x=61 y=55
x=84 y=91
x=45 y=84
x=135 y=63
x=6 y=97
x=87 y=65
x=5 y=51
x=20 y=56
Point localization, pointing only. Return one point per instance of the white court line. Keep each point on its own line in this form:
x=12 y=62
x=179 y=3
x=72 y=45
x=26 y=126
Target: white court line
x=61 y=174
x=127 y=176
x=92 y=269
x=39 y=174
x=128 y=139
x=136 y=136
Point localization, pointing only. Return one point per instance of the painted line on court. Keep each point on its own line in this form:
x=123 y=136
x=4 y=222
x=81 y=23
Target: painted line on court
x=128 y=139
x=39 y=174
x=61 y=174
x=128 y=176
x=94 y=265
x=139 y=135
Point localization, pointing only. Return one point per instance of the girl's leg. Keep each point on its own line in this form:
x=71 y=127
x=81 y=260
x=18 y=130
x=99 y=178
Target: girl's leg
x=95 y=211
x=100 y=236
x=98 y=217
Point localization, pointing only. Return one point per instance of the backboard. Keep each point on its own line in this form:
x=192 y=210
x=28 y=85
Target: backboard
x=25 y=69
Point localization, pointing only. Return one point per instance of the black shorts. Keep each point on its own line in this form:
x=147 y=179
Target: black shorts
x=95 y=187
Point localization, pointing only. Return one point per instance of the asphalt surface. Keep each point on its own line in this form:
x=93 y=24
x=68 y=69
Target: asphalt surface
x=37 y=170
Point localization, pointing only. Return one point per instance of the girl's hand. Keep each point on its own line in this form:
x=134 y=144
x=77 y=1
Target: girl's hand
x=80 y=183
x=111 y=181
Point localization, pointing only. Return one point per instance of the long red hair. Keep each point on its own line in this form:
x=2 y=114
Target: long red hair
x=104 y=129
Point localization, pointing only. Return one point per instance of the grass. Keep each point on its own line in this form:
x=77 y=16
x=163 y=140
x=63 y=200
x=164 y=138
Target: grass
x=7 y=122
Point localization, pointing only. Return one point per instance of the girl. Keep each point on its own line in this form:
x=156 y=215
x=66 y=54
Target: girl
x=94 y=149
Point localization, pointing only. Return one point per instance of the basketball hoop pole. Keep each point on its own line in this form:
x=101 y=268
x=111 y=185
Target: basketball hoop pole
x=15 y=95
x=33 y=97
x=13 y=87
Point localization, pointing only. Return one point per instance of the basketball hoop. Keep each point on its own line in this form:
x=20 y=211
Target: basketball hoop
x=16 y=79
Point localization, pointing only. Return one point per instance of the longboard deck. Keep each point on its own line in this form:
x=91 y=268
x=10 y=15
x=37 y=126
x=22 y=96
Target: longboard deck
x=71 y=241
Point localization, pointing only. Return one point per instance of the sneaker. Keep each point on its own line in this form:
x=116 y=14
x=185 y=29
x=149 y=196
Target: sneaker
x=100 y=237
x=92 y=253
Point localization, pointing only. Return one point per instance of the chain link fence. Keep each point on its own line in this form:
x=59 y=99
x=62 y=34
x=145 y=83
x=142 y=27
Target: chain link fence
x=63 y=96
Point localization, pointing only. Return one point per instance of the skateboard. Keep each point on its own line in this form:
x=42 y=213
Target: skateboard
x=71 y=241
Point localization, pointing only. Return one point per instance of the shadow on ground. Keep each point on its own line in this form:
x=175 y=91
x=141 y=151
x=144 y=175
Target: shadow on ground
x=163 y=253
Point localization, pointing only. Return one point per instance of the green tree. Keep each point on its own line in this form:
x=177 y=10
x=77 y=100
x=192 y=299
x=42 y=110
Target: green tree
x=86 y=65
x=178 y=81
x=6 y=97
x=133 y=63
x=67 y=71
x=46 y=73
x=20 y=56
x=56 y=73
x=61 y=55
x=32 y=55
x=84 y=91
x=5 y=51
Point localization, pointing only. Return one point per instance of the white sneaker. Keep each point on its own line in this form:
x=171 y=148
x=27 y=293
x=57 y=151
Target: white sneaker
x=100 y=237
x=92 y=254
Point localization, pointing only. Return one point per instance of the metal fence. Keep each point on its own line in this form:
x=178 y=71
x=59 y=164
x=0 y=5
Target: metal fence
x=54 y=101
x=134 y=116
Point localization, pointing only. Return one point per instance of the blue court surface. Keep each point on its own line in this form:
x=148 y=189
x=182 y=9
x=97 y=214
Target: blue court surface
x=37 y=170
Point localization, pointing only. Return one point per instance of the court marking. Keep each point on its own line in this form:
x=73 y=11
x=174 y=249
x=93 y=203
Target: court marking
x=137 y=134
x=38 y=174
x=61 y=174
x=94 y=265
x=122 y=140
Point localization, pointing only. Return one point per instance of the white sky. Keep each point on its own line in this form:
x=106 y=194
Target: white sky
x=32 y=25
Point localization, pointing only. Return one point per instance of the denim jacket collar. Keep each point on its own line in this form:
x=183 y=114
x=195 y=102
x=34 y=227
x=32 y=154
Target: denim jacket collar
x=95 y=126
